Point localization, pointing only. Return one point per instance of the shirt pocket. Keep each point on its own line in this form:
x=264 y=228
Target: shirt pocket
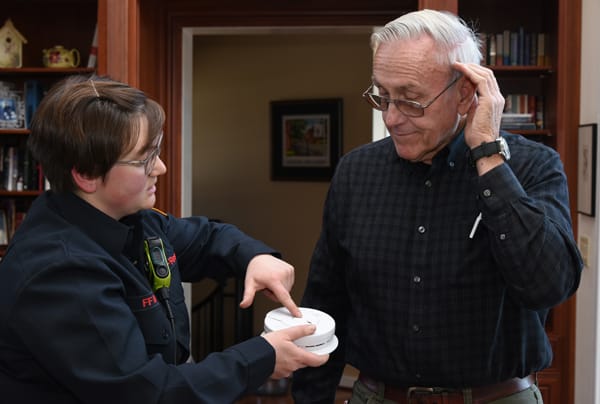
x=152 y=320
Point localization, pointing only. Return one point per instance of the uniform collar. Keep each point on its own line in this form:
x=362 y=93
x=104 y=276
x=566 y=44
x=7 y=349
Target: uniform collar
x=111 y=234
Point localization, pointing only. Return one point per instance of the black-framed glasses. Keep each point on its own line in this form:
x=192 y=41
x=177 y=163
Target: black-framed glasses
x=407 y=107
x=149 y=162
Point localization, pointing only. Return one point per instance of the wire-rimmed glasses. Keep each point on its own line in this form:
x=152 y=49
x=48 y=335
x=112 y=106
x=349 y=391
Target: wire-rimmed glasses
x=149 y=162
x=407 y=107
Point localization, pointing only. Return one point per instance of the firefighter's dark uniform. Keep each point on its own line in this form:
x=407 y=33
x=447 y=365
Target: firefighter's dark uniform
x=79 y=322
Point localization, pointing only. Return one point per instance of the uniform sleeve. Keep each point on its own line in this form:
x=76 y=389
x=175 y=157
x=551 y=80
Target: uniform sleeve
x=206 y=248
x=525 y=207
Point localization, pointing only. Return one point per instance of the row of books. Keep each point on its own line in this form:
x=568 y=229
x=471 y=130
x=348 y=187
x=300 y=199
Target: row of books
x=515 y=48
x=19 y=171
x=12 y=213
x=523 y=112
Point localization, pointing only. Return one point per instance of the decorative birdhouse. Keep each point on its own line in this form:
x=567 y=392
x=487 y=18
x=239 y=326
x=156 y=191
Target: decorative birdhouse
x=11 y=45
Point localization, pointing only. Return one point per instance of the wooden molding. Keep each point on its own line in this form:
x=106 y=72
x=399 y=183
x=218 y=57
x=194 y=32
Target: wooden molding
x=450 y=5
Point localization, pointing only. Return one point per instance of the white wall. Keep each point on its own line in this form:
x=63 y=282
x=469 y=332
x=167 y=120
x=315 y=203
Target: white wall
x=587 y=372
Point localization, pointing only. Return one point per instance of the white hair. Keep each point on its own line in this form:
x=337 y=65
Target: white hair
x=455 y=41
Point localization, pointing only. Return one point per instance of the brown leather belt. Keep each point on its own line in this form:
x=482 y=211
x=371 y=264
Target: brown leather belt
x=440 y=395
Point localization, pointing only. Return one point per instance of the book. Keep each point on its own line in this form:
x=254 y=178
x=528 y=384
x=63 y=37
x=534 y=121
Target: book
x=539 y=113
x=492 y=50
x=33 y=95
x=3 y=228
x=10 y=209
x=517 y=118
x=499 y=49
x=506 y=47
x=541 y=49
x=532 y=105
x=534 y=49
x=521 y=46
x=514 y=48
x=10 y=168
x=527 y=49
x=518 y=126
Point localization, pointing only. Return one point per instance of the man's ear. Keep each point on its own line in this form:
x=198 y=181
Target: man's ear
x=467 y=95
x=84 y=182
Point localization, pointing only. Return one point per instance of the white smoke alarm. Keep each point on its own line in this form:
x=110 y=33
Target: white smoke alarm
x=322 y=342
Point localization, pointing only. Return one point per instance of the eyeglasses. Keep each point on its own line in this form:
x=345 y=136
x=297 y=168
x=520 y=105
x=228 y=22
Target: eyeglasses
x=407 y=107
x=149 y=162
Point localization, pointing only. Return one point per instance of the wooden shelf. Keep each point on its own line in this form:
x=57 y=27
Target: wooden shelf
x=50 y=71
x=520 y=69
x=14 y=131
x=17 y=194
x=44 y=23
x=540 y=132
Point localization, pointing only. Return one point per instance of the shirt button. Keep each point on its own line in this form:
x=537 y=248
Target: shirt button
x=503 y=236
x=487 y=193
x=416 y=328
x=428 y=183
x=451 y=163
x=416 y=279
x=421 y=229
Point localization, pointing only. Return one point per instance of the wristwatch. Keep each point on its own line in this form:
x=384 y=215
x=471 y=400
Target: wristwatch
x=499 y=146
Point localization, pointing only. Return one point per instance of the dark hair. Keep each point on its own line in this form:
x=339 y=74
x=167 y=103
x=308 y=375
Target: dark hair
x=88 y=123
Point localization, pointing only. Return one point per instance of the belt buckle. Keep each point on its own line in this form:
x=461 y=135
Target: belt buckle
x=422 y=391
x=419 y=391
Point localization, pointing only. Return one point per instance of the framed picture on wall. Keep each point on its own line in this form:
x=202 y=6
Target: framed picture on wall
x=306 y=139
x=586 y=169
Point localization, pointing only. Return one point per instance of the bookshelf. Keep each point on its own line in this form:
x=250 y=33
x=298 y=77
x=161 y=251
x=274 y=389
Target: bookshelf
x=20 y=178
x=519 y=44
x=554 y=78
x=44 y=24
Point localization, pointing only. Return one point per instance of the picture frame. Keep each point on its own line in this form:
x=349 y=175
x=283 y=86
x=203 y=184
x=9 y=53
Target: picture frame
x=9 y=112
x=586 y=169
x=306 y=139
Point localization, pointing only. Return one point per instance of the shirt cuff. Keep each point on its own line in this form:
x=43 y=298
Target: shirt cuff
x=260 y=358
x=498 y=188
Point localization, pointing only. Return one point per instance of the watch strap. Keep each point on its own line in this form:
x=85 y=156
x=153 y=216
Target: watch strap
x=485 y=150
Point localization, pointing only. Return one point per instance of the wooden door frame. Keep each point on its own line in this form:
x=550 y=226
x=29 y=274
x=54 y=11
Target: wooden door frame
x=145 y=42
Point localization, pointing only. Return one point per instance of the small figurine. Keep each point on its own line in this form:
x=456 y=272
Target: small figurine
x=11 y=45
